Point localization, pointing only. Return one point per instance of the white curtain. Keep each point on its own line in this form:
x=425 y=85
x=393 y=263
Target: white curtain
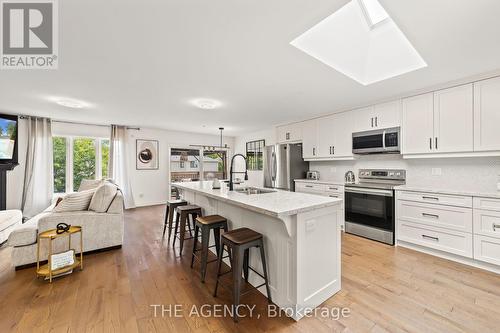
x=118 y=163
x=38 y=175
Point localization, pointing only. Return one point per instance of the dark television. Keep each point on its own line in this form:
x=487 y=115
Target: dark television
x=8 y=139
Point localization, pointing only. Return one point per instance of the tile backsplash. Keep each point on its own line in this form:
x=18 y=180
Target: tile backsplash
x=474 y=174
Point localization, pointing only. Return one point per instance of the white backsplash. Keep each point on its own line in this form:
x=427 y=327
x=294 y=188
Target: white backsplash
x=473 y=174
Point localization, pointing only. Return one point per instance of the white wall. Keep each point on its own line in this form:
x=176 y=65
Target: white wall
x=475 y=174
x=255 y=178
x=151 y=187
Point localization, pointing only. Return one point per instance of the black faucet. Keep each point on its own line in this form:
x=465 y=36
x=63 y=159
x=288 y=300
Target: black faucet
x=231 y=185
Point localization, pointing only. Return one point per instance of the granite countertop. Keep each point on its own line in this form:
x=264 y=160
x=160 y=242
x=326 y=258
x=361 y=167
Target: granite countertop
x=472 y=193
x=278 y=204
x=326 y=182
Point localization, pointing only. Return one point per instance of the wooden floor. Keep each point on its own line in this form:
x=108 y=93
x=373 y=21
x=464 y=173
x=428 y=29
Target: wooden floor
x=387 y=289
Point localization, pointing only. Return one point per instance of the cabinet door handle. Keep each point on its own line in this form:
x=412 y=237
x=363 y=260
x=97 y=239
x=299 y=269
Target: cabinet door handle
x=430 y=143
x=372 y=121
x=376 y=121
x=333 y=196
x=430 y=237
x=430 y=198
x=336 y=189
x=430 y=215
x=333 y=150
x=310 y=186
x=314 y=151
x=495 y=226
x=330 y=150
x=436 y=142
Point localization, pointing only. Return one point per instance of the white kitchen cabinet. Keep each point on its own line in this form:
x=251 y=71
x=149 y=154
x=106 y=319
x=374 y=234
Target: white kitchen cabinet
x=310 y=139
x=343 y=129
x=440 y=122
x=418 y=124
x=289 y=133
x=326 y=136
x=487 y=115
x=378 y=116
x=453 y=120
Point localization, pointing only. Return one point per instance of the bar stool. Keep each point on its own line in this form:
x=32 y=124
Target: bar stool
x=205 y=224
x=183 y=214
x=169 y=215
x=239 y=241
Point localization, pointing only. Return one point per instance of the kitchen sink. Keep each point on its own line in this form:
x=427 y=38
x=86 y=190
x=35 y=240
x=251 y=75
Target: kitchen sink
x=253 y=190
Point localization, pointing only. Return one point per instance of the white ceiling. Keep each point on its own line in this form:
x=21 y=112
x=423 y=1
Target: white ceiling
x=141 y=62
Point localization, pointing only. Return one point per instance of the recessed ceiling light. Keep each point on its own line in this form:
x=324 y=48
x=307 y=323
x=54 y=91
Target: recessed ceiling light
x=206 y=104
x=69 y=102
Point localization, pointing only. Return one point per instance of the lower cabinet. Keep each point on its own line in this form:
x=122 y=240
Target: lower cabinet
x=460 y=225
x=323 y=189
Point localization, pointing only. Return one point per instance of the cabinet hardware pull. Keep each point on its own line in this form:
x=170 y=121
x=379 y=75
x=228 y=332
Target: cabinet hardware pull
x=430 y=237
x=333 y=196
x=430 y=143
x=331 y=150
x=376 y=121
x=309 y=186
x=436 y=143
x=430 y=215
x=430 y=198
x=372 y=121
x=495 y=226
x=314 y=151
x=336 y=189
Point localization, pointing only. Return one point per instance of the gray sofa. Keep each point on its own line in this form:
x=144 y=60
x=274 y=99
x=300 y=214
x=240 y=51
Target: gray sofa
x=100 y=231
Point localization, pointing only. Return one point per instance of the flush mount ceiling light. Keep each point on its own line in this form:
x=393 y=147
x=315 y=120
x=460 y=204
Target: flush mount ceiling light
x=206 y=104
x=361 y=41
x=69 y=102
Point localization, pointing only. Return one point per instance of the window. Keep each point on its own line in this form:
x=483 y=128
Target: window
x=79 y=158
x=59 y=164
x=193 y=164
x=254 y=154
x=181 y=165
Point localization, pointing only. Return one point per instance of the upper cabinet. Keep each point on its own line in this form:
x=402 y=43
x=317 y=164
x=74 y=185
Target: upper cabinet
x=289 y=133
x=487 y=115
x=439 y=122
x=418 y=124
x=453 y=120
x=379 y=116
x=310 y=139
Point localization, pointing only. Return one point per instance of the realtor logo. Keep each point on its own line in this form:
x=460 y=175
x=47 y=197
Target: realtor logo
x=29 y=34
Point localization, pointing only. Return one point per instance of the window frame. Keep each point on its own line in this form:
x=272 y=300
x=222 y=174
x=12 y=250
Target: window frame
x=256 y=166
x=69 y=158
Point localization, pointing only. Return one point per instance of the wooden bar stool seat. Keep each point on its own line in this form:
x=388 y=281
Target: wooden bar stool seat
x=205 y=224
x=239 y=241
x=170 y=210
x=183 y=214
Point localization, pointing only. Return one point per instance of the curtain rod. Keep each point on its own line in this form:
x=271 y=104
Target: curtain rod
x=77 y=123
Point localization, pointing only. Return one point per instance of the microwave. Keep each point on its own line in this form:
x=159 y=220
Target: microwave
x=377 y=141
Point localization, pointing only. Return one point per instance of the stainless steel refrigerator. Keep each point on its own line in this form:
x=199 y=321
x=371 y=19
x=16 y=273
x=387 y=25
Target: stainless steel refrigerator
x=282 y=164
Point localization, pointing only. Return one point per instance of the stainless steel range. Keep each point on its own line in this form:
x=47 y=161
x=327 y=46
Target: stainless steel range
x=369 y=204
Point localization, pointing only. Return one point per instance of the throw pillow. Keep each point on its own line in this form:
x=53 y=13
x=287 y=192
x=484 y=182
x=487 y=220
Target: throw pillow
x=102 y=198
x=89 y=184
x=77 y=201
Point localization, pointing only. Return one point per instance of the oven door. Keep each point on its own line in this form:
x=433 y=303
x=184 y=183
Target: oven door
x=370 y=207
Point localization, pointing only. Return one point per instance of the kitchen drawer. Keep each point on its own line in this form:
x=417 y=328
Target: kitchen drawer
x=442 y=199
x=308 y=187
x=487 y=249
x=487 y=203
x=455 y=242
x=487 y=223
x=449 y=217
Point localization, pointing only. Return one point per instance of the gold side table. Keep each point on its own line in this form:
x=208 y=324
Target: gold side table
x=50 y=235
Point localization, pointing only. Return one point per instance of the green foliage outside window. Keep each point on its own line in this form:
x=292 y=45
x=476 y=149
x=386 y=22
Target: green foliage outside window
x=11 y=131
x=59 y=145
x=104 y=158
x=83 y=160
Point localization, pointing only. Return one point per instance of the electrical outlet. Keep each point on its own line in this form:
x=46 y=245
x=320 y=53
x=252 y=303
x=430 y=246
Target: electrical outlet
x=333 y=169
x=436 y=172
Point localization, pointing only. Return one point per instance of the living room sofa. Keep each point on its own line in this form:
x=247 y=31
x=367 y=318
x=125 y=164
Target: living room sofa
x=100 y=231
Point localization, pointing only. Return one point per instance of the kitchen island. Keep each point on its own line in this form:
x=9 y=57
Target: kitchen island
x=301 y=238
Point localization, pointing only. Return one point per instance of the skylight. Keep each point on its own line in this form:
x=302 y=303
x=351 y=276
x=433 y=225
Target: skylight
x=361 y=41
